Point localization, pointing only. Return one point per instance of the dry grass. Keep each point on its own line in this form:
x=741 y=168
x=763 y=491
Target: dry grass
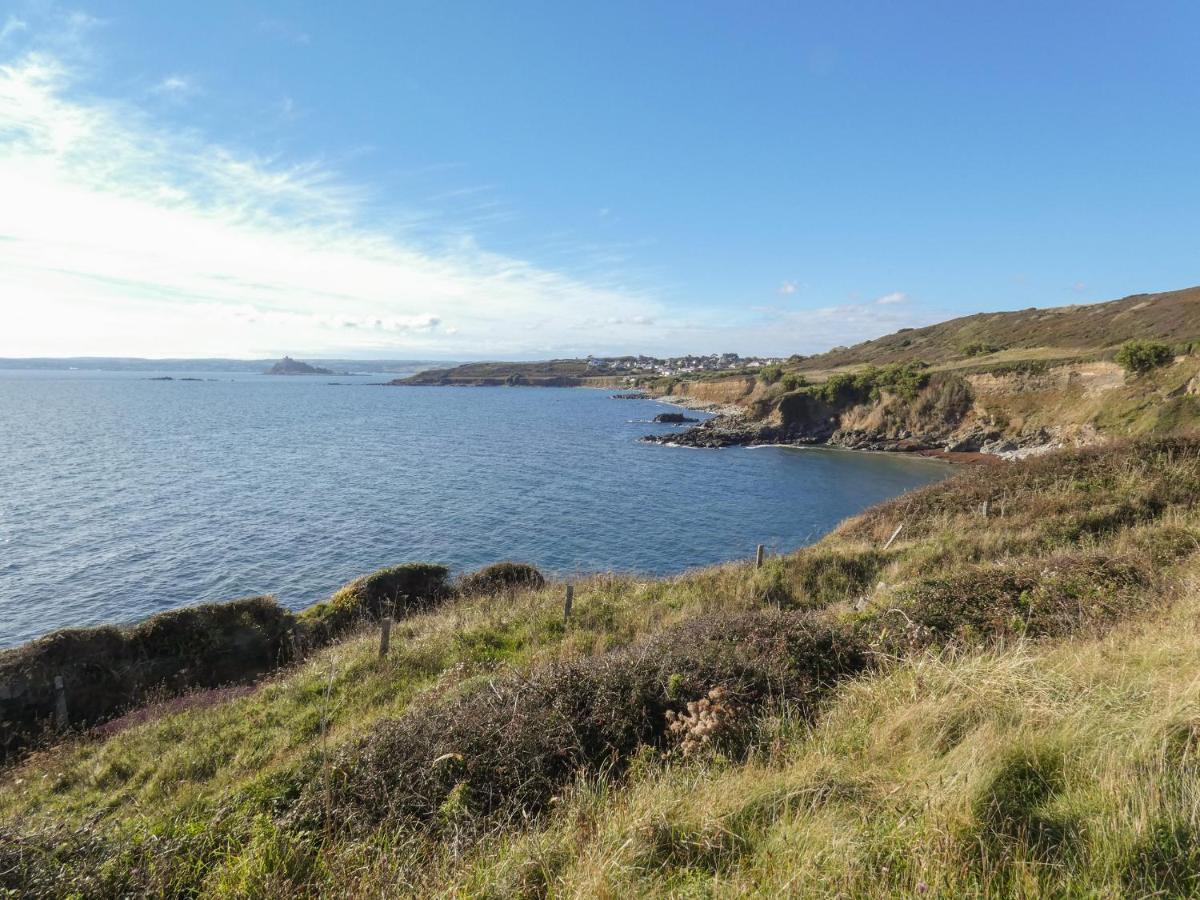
x=1036 y=771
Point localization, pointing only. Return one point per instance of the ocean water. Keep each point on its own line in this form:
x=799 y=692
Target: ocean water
x=121 y=496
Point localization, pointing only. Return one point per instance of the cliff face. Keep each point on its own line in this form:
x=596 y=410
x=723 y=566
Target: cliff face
x=1023 y=409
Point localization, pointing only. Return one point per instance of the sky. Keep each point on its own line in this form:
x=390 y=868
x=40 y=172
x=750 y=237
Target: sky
x=463 y=180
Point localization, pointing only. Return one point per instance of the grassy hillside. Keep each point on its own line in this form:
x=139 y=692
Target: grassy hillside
x=561 y=372
x=1060 y=333
x=1003 y=701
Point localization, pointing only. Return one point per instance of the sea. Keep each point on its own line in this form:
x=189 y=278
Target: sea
x=122 y=495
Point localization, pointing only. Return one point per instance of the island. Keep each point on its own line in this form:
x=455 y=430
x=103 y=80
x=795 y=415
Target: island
x=289 y=366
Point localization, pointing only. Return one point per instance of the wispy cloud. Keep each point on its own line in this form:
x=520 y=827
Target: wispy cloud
x=12 y=25
x=176 y=86
x=123 y=237
x=892 y=298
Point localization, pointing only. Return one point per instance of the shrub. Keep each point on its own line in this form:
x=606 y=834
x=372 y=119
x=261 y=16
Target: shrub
x=501 y=576
x=979 y=348
x=771 y=374
x=1034 y=597
x=846 y=388
x=793 y=381
x=106 y=670
x=1138 y=357
x=515 y=742
x=398 y=590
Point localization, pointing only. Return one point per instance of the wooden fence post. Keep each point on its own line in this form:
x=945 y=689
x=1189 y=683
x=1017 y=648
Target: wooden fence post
x=758 y=557
x=570 y=598
x=60 y=703
x=385 y=636
x=895 y=534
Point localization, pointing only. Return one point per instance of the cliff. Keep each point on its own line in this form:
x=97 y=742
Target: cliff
x=1000 y=383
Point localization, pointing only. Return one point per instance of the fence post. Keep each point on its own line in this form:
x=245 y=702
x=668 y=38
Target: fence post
x=987 y=505
x=60 y=703
x=758 y=557
x=570 y=598
x=895 y=534
x=385 y=636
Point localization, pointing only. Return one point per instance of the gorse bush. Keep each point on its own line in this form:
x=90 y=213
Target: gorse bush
x=1139 y=357
x=979 y=348
x=501 y=576
x=771 y=373
x=398 y=590
x=847 y=388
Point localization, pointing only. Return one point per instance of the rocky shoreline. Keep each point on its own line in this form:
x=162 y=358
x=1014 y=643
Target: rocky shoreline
x=977 y=445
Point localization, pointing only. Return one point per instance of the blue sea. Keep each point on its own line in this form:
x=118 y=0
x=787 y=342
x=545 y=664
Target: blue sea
x=121 y=496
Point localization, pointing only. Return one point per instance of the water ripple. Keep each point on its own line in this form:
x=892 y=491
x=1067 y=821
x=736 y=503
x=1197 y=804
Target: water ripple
x=120 y=496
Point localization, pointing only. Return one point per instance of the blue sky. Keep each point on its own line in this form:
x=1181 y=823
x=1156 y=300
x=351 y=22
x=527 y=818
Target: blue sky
x=458 y=180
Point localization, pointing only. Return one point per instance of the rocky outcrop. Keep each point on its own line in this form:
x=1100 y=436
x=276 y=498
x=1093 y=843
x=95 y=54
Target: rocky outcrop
x=673 y=419
x=941 y=417
x=722 y=431
x=289 y=366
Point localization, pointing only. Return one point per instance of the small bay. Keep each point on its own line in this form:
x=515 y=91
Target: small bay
x=121 y=496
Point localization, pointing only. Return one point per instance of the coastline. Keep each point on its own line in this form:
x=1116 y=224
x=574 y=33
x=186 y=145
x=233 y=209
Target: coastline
x=732 y=427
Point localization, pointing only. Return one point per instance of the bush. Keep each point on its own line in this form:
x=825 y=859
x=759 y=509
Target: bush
x=107 y=670
x=793 y=381
x=501 y=576
x=515 y=742
x=398 y=591
x=904 y=380
x=771 y=374
x=948 y=399
x=1138 y=357
x=979 y=348
x=1031 y=597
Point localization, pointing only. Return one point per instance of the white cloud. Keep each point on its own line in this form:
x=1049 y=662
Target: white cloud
x=788 y=287
x=176 y=86
x=119 y=237
x=11 y=26
x=893 y=297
